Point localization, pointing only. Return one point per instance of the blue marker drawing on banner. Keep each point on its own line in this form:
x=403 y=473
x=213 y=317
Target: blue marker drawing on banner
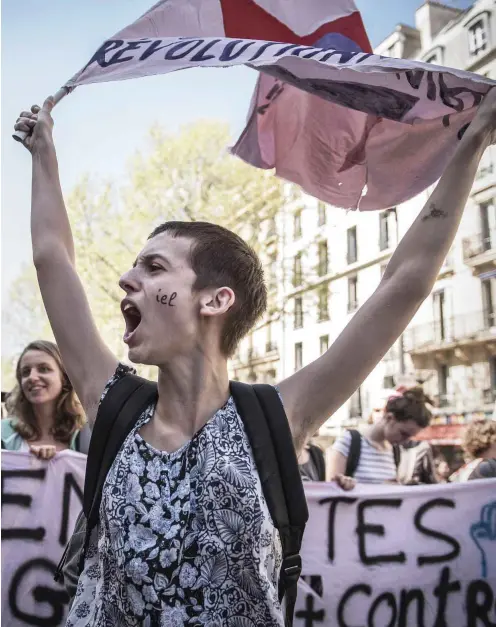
x=485 y=529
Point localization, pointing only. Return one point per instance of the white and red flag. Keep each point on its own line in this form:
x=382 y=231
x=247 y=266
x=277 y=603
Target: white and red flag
x=352 y=128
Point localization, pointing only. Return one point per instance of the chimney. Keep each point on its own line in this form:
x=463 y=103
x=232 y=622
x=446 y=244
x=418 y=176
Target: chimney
x=431 y=18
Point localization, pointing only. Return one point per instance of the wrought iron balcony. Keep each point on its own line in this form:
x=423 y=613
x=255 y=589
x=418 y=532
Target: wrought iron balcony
x=462 y=328
x=477 y=248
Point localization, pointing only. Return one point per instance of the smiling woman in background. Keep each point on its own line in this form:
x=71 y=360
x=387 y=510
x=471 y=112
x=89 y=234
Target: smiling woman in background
x=46 y=416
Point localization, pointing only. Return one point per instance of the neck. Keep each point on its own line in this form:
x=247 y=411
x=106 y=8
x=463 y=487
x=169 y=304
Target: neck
x=45 y=417
x=490 y=453
x=191 y=390
x=375 y=433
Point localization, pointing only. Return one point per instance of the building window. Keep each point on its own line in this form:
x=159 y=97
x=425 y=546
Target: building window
x=297 y=273
x=443 y=374
x=352 y=294
x=324 y=344
x=439 y=305
x=297 y=224
x=323 y=266
x=492 y=379
x=388 y=382
x=485 y=209
x=323 y=309
x=477 y=38
x=488 y=303
x=356 y=405
x=298 y=312
x=272 y=280
x=321 y=210
x=298 y=356
x=352 y=245
x=270 y=345
x=384 y=242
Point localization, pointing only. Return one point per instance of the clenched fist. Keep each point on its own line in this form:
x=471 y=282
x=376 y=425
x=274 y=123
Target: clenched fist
x=38 y=123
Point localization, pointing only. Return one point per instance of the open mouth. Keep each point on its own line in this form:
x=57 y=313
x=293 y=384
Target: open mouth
x=132 y=318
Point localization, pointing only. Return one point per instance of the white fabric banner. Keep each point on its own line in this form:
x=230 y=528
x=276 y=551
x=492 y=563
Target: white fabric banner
x=40 y=503
x=383 y=556
x=379 y=556
x=344 y=146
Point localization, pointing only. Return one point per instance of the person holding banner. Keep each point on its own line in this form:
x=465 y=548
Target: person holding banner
x=47 y=416
x=209 y=555
x=405 y=414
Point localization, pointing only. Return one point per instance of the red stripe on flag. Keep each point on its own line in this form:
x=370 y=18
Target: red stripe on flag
x=244 y=19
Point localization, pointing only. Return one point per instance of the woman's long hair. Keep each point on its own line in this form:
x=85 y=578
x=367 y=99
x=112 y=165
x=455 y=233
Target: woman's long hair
x=69 y=415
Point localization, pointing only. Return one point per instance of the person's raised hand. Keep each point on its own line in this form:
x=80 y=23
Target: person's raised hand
x=44 y=451
x=38 y=124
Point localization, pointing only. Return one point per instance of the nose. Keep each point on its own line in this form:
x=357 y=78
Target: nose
x=128 y=281
x=32 y=376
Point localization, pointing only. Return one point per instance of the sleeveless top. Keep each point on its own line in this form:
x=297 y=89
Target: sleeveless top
x=185 y=538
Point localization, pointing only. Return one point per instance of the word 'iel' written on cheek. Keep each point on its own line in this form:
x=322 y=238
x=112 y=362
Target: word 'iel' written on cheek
x=165 y=299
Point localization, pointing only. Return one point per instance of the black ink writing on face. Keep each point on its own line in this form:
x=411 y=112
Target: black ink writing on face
x=364 y=528
x=165 y=299
x=331 y=521
x=435 y=213
x=438 y=535
x=21 y=500
x=55 y=597
x=480 y=603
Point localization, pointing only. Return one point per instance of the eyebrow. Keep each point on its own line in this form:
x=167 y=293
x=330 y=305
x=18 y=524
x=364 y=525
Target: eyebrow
x=150 y=257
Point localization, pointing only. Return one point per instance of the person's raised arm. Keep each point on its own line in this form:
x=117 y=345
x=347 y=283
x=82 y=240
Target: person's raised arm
x=88 y=361
x=315 y=392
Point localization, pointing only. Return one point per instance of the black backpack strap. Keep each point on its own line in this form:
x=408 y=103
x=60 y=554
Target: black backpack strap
x=397 y=455
x=119 y=411
x=317 y=456
x=354 y=452
x=270 y=437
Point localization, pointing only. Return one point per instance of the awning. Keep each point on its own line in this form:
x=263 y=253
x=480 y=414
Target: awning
x=442 y=435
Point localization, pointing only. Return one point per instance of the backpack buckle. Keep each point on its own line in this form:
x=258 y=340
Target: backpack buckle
x=291 y=567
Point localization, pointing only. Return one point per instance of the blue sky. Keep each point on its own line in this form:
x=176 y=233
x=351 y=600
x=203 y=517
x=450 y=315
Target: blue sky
x=99 y=127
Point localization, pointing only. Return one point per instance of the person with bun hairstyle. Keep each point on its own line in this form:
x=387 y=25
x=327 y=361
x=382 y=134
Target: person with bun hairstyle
x=480 y=443
x=46 y=416
x=406 y=414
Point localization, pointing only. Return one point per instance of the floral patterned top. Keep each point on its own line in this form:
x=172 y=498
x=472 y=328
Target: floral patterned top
x=184 y=539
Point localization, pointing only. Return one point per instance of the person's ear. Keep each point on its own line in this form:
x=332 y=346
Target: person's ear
x=216 y=301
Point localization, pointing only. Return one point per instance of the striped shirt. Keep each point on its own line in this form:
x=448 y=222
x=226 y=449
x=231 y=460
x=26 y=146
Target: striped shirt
x=374 y=466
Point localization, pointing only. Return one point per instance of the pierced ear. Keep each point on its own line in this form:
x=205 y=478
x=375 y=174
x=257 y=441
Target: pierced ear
x=217 y=302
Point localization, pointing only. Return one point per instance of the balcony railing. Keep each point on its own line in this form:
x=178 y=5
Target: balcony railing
x=484 y=171
x=478 y=244
x=449 y=330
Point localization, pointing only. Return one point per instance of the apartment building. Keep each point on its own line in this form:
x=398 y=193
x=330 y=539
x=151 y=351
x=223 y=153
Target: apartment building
x=326 y=262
